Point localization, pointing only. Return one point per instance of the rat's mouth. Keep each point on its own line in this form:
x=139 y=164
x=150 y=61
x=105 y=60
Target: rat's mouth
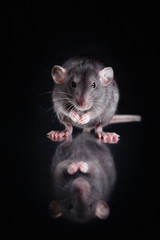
x=83 y=106
x=83 y=109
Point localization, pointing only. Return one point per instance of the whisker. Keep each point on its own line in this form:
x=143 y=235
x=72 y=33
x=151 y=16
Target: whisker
x=52 y=108
x=62 y=108
x=70 y=108
x=41 y=94
x=63 y=188
x=65 y=106
x=65 y=93
x=59 y=99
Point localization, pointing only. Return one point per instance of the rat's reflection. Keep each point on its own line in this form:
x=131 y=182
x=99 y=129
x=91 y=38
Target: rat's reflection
x=83 y=177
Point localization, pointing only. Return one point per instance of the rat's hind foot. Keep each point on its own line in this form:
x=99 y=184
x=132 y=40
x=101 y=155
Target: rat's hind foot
x=59 y=136
x=107 y=137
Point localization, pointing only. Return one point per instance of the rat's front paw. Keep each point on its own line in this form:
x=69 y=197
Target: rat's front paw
x=74 y=116
x=83 y=166
x=85 y=118
x=72 y=168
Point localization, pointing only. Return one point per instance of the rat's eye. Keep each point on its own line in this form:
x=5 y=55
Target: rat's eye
x=93 y=85
x=73 y=84
x=90 y=205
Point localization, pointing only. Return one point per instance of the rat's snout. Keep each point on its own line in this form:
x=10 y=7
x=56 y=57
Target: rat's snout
x=81 y=188
x=83 y=103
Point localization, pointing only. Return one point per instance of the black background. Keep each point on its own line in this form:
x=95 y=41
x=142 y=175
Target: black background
x=39 y=35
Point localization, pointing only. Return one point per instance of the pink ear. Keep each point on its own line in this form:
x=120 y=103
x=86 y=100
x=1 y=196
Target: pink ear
x=55 y=209
x=58 y=74
x=106 y=76
x=102 y=209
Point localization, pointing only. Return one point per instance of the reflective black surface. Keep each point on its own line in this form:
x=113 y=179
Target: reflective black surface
x=30 y=191
x=36 y=41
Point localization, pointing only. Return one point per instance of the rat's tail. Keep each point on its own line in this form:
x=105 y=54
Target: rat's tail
x=125 y=118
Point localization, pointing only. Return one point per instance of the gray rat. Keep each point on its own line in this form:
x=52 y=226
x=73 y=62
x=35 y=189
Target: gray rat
x=86 y=96
x=82 y=180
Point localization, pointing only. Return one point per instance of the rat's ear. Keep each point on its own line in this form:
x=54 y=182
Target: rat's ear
x=106 y=76
x=102 y=209
x=58 y=74
x=55 y=209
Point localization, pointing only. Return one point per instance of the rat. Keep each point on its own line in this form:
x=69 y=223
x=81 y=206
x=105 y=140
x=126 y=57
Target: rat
x=85 y=96
x=82 y=180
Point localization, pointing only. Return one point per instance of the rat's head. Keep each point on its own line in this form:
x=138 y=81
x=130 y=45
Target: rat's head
x=81 y=206
x=81 y=82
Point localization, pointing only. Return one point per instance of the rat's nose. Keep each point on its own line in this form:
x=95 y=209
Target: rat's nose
x=81 y=188
x=81 y=102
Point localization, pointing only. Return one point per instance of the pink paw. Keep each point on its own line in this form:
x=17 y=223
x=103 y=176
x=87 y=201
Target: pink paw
x=85 y=118
x=107 y=137
x=74 y=116
x=72 y=168
x=83 y=167
x=58 y=135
